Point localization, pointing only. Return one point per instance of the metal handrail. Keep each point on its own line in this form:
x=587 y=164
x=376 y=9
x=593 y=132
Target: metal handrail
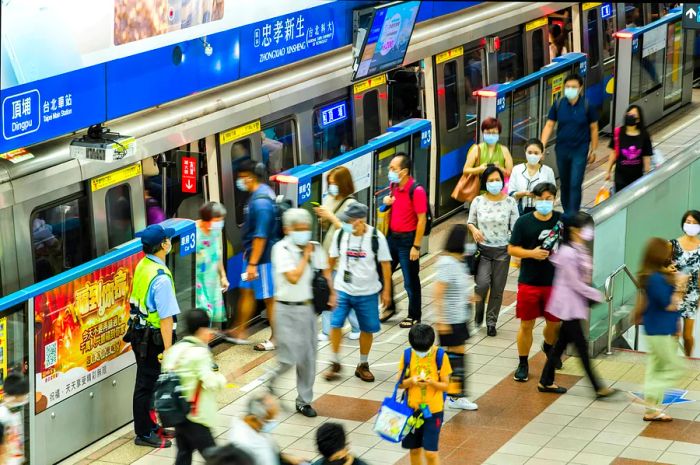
x=609 y=295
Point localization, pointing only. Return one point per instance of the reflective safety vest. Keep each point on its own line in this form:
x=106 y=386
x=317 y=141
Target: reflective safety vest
x=144 y=274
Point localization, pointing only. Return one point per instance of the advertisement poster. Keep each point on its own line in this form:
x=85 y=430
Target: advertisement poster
x=3 y=354
x=80 y=326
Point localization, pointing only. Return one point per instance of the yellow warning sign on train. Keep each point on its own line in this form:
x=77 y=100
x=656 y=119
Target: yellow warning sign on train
x=589 y=5
x=368 y=84
x=115 y=177
x=448 y=55
x=239 y=132
x=536 y=23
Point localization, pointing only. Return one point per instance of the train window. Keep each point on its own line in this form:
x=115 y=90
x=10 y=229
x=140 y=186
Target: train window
x=451 y=98
x=473 y=78
x=538 y=49
x=332 y=130
x=634 y=14
x=608 y=38
x=592 y=29
x=370 y=110
x=674 y=65
x=510 y=58
x=61 y=237
x=279 y=146
x=240 y=150
x=120 y=224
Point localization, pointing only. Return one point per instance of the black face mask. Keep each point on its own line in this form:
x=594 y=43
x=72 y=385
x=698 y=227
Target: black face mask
x=631 y=120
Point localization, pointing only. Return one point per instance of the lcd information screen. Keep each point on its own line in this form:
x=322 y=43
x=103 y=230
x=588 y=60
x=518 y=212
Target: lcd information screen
x=387 y=40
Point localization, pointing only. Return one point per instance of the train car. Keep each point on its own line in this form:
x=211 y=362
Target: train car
x=57 y=212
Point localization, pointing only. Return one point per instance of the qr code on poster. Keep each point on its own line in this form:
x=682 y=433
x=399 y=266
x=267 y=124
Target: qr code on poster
x=50 y=354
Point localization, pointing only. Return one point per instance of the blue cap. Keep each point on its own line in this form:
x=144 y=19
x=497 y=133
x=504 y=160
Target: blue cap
x=155 y=234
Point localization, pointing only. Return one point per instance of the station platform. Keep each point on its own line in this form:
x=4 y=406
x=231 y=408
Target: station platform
x=515 y=424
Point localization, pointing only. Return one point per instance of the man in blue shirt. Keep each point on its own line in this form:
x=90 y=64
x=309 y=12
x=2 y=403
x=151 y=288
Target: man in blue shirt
x=577 y=140
x=258 y=234
x=151 y=328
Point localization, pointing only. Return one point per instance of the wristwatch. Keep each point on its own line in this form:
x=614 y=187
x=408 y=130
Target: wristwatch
x=417 y=247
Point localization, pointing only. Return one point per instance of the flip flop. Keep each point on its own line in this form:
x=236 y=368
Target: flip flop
x=659 y=416
x=265 y=346
x=386 y=315
x=408 y=323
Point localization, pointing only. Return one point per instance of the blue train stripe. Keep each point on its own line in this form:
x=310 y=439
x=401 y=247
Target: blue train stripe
x=452 y=163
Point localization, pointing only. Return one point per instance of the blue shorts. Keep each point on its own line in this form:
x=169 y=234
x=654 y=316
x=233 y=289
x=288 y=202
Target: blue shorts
x=262 y=286
x=366 y=308
x=426 y=436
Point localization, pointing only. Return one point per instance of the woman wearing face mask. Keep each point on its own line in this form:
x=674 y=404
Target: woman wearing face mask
x=211 y=274
x=571 y=296
x=630 y=150
x=489 y=152
x=526 y=176
x=491 y=219
x=339 y=197
x=686 y=257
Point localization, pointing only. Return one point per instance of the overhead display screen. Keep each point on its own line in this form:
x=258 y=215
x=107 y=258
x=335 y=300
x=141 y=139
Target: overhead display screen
x=386 y=42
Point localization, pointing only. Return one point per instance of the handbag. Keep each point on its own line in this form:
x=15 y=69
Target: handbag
x=320 y=290
x=469 y=185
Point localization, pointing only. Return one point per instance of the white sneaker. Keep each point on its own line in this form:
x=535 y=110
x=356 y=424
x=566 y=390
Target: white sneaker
x=461 y=403
x=354 y=336
x=322 y=337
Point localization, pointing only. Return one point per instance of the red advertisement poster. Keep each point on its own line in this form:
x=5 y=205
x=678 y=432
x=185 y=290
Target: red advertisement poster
x=79 y=329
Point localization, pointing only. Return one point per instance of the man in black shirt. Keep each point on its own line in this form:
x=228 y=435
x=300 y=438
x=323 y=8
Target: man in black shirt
x=534 y=237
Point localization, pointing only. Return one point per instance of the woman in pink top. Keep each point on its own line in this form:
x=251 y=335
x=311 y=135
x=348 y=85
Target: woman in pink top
x=571 y=296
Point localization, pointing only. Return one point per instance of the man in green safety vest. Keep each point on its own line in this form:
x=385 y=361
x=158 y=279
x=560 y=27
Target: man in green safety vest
x=151 y=328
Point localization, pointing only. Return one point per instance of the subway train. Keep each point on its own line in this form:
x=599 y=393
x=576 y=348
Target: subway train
x=57 y=212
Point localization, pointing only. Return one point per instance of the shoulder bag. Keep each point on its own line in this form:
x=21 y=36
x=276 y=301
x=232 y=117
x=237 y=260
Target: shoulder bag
x=469 y=185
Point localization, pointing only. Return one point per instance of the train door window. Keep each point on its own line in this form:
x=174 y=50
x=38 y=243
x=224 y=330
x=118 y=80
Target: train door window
x=674 y=65
x=593 y=42
x=240 y=150
x=525 y=118
x=510 y=58
x=473 y=78
x=60 y=237
x=120 y=225
x=538 y=58
x=634 y=14
x=652 y=59
x=332 y=130
x=451 y=98
x=405 y=98
x=609 y=30
x=279 y=146
x=370 y=110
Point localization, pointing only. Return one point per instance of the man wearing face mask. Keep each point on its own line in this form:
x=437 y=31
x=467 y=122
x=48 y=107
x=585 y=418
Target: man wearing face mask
x=534 y=237
x=251 y=433
x=294 y=260
x=577 y=140
x=152 y=327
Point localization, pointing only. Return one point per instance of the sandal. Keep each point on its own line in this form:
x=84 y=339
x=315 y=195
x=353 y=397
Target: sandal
x=658 y=416
x=386 y=315
x=265 y=346
x=553 y=389
x=408 y=323
x=605 y=393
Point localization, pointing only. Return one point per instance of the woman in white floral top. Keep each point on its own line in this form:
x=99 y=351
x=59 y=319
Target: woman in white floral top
x=686 y=257
x=491 y=219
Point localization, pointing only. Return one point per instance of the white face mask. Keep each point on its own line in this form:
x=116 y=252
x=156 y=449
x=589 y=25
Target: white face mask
x=217 y=225
x=691 y=229
x=168 y=248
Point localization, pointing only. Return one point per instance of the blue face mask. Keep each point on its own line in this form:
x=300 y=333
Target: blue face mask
x=494 y=187
x=544 y=207
x=347 y=228
x=333 y=189
x=421 y=354
x=491 y=139
x=571 y=92
x=241 y=185
x=393 y=177
x=269 y=425
x=300 y=237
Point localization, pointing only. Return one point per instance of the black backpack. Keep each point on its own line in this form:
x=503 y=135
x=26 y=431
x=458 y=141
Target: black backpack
x=169 y=400
x=428 y=209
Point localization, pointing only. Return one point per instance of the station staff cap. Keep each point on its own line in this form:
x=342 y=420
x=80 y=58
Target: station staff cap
x=155 y=234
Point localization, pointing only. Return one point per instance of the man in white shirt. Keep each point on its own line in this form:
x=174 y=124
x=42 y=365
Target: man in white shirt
x=357 y=249
x=294 y=261
x=250 y=433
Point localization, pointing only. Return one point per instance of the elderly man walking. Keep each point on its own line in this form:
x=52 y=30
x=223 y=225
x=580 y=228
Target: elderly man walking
x=294 y=261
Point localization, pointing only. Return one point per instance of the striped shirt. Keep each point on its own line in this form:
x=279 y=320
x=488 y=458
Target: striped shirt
x=459 y=288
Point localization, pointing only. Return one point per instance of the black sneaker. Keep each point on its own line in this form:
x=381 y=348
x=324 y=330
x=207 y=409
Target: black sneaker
x=307 y=410
x=491 y=331
x=559 y=364
x=152 y=440
x=521 y=373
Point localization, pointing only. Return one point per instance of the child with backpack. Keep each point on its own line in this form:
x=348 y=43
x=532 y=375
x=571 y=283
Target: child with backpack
x=424 y=373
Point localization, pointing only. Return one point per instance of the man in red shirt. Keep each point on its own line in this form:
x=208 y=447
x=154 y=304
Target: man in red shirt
x=406 y=227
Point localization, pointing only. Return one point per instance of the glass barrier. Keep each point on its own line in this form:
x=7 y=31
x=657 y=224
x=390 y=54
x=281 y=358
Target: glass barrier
x=651 y=207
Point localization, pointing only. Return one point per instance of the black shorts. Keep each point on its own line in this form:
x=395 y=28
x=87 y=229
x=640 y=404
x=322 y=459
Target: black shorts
x=458 y=336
